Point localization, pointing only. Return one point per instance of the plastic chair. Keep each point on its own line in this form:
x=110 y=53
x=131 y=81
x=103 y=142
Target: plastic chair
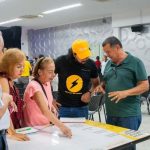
x=146 y=97
x=95 y=105
x=55 y=94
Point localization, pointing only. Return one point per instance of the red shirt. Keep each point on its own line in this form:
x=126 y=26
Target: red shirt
x=16 y=117
x=98 y=64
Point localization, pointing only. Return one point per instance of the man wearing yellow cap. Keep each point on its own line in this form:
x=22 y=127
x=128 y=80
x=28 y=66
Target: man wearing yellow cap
x=76 y=71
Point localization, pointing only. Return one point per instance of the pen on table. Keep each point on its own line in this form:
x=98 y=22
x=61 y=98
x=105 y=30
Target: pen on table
x=24 y=129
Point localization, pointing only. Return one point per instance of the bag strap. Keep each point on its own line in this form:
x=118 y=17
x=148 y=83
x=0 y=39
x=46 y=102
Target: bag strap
x=41 y=86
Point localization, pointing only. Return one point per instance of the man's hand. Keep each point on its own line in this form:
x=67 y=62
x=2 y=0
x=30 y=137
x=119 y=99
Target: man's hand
x=86 y=97
x=99 y=89
x=117 y=95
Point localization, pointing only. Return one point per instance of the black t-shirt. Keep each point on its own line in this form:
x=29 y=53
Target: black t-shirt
x=74 y=79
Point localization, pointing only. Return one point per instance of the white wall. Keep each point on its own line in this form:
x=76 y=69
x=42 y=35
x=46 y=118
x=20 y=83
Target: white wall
x=56 y=41
x=137 y=44
x=121 y=19
x=121 y=23
x=128 y=18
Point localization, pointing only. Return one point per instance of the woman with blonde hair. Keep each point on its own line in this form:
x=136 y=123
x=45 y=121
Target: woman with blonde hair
x=11 y=67
x=38 y=97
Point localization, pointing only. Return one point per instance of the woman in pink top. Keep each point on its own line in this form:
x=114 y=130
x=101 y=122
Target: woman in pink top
x=38 y=97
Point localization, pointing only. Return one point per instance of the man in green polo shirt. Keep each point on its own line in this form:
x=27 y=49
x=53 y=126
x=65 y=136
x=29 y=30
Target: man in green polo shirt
x=125 y=79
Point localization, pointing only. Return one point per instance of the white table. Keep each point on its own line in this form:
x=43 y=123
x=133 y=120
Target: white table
x=85 y=137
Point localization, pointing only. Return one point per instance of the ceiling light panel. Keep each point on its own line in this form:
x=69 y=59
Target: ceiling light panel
x=10 y=21
x=62 y=8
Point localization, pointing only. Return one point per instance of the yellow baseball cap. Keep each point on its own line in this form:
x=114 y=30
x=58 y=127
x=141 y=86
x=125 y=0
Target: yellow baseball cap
x=81 y=48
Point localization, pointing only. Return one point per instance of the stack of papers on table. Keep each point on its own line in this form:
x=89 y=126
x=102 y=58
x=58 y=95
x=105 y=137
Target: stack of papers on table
x=73 y=120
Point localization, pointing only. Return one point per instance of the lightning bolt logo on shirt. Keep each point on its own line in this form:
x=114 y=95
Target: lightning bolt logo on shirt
x=74 y=83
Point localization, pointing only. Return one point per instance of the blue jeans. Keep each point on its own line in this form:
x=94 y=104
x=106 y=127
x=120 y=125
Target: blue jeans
x=73 y=112
x=3 y=142
x=132 y=123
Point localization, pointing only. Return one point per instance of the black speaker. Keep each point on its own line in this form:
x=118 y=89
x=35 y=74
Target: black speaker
x=16 y=35
x=12 y=37
x=137 y=28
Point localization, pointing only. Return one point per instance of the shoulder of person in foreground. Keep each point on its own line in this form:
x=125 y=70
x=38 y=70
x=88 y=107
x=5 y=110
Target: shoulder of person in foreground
x=4 y=84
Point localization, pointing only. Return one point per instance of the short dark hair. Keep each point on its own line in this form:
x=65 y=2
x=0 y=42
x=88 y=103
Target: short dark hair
x=112 y=41
x=97 y=57
x=41 y=55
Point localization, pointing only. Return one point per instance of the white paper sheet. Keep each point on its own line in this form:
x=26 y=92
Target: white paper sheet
x=73 y=120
